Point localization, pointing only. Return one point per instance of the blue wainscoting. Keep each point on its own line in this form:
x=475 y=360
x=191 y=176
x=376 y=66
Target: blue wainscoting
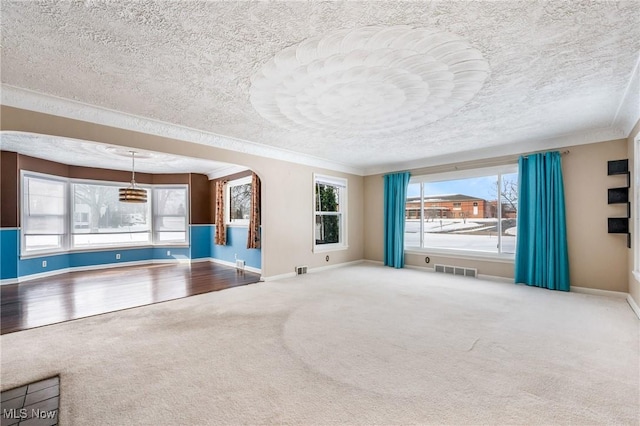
x=9 y=247
x=201 y=247
x=201 y=237
x=236 y=245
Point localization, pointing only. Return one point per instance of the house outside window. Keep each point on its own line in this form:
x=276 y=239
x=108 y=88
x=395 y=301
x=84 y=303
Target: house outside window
x=472 y=211
x=330 y=200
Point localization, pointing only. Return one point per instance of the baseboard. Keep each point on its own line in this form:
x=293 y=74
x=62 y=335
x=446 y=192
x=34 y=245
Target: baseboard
x=337 y=265
x=598 y=292
x=420 y=268
x=38 y=275
x=497 y=278
x=279 y=277
x=233 y=265
x=634 y=305
x=375 y=262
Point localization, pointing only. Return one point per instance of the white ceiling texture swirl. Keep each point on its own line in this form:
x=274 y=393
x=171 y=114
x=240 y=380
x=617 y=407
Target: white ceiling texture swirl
x=359 y=86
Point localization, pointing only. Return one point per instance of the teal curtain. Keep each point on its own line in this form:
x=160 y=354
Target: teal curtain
x=542 y=258
x=395 y=197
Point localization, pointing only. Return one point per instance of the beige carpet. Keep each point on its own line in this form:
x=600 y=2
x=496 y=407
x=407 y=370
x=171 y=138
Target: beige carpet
x=356 y=345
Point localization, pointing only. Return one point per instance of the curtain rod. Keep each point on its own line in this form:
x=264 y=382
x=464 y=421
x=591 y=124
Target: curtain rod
x=541 y=152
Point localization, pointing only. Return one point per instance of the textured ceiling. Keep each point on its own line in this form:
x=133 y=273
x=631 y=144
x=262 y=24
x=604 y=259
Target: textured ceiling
x=83 y=153
x=557 y=68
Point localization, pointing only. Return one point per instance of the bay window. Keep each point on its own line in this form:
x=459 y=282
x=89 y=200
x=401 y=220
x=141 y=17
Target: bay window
x=61 y=214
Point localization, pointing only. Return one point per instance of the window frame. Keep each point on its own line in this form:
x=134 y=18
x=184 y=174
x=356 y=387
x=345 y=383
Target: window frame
x=154 y=215
x=64 y=237
x=227 y=202
x=96 y=247
x=635 y=209
x=342 y=184
x=497 y=171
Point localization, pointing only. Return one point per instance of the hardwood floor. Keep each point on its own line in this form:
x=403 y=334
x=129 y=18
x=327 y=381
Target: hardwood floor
x=81 y=294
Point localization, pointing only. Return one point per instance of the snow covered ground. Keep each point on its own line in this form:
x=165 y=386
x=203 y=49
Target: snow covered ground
x=476 y=234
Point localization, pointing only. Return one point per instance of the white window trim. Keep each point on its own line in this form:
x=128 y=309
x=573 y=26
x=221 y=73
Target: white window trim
x=64 y=247
x=227 y=203
x=343 y=201
x=187 y=212
x=634 y=208
x=457 y=175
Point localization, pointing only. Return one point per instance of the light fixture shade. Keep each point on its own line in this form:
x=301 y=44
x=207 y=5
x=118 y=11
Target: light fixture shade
x=132 y=195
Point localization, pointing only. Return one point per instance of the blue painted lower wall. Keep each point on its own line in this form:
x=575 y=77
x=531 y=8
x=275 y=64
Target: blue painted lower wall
x=201 y=237
x=236 y=246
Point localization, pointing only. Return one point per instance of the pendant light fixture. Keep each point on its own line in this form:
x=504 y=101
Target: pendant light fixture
x=133 y=194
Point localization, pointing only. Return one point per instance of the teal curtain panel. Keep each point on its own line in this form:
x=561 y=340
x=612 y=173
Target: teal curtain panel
x=542 y=258
x=395 y=196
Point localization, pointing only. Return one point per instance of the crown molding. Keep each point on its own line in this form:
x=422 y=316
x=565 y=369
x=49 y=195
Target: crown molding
x=225 y=171
x=628 y=112
x=504 y=150
x=34 y=101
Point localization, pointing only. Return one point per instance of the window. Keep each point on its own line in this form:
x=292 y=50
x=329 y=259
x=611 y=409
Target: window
x=99 y=219
x=238 y=201
x=330 y=196
x=170 y=214
x=463 y=211
x=60 y=214
x=44 y=212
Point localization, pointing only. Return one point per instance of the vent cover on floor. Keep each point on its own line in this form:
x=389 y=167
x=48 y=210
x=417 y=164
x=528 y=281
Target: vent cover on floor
x=457 y=270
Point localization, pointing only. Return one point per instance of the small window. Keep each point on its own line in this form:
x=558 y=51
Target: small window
x=44 y=212
x=330 y=197
x=170 y=210
x=238 y=201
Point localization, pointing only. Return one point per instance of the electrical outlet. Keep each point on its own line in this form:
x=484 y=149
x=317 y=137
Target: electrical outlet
x=44 y=263
x=168 y=252
x=117 y=256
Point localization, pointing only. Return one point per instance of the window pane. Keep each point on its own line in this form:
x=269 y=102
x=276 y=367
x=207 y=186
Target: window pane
x=97 y=210
x=327 y=229
x=461 y=214
x=412 y=217
x=42 y=242
x=170 y=201
x=327 y=198
x=171 y=237
x=509 y=198
x=170 y=210
x=83 y=240
x=44 y=206
x=239 y=202
x=45 y=197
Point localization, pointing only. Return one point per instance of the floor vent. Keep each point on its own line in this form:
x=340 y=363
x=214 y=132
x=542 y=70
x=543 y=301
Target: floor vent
x=240 y=264
x=301 y=270
x=457 y=270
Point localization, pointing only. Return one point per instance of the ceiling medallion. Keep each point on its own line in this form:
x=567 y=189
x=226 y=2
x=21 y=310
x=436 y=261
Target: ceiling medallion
x=368 y=81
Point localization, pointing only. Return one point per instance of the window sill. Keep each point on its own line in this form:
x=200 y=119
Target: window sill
x=463 y=254
x=97 y=249
x=321 y=249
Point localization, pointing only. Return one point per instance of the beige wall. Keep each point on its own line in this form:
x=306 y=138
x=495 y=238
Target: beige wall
x=597 y=259
x=634 y=285
x=287 y=202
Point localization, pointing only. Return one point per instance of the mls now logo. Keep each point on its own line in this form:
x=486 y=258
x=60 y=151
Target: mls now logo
x=23 y=414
